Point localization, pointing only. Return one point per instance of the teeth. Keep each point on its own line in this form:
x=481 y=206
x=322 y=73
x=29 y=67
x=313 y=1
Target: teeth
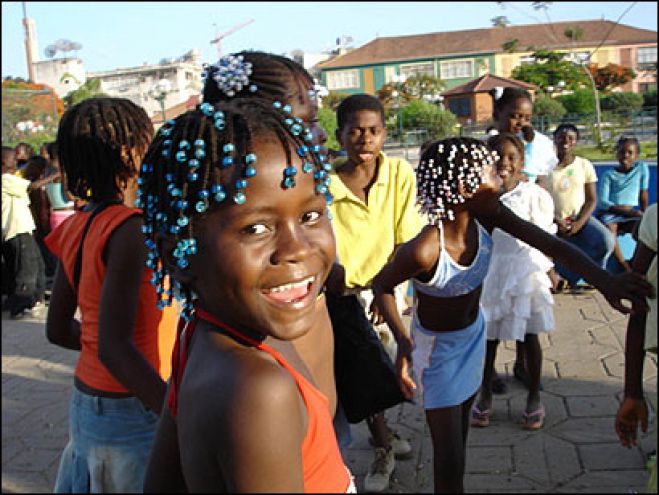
x=291 y=286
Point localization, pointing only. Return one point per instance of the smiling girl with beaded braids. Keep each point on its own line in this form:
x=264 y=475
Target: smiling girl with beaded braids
x=235 y=198
x=458 y=190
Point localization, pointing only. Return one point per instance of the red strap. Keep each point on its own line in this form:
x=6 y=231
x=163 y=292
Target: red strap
x=179 y=359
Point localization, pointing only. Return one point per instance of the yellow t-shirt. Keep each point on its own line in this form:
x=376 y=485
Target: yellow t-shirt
x=647 y=234
x=566 y=186
x=366 y=234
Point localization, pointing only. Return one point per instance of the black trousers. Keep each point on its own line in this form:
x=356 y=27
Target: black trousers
x=25 y=272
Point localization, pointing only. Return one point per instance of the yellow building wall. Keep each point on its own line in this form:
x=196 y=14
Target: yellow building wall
x=369 y=83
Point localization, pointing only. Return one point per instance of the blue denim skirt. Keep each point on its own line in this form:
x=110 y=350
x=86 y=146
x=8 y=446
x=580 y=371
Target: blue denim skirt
x=449 y=365
x=109 y=445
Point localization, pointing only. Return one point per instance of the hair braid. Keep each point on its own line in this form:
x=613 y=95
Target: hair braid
x=443 y=166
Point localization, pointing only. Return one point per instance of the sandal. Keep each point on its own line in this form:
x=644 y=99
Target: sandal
x=534 y=420
x=480 y=418
x=562 y=287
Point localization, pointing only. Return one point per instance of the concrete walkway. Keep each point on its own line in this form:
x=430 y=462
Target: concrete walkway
x=576 y=451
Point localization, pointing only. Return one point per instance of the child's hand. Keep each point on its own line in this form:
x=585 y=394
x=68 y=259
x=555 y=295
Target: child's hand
x=376 y=316
x=630 y=413
x=631 y=286
x=405 y=382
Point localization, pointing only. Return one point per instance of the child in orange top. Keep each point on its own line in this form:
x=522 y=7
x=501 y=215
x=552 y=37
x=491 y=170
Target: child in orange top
x=236 y=198
x=118 y=389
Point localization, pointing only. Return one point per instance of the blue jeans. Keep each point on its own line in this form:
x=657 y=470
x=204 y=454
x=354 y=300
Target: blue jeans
x=595 y=240
x=109 y=445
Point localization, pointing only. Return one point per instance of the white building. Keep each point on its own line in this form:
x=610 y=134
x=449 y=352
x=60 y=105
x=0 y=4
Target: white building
x=61 y=74
x=135 y=83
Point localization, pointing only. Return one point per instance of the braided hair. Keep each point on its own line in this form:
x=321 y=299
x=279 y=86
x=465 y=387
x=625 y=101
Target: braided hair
x=272 y=77
x=443 y=166
x=204 y=159
x=101 y=143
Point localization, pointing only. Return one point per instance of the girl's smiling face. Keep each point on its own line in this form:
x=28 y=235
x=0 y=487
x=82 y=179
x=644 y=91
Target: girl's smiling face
x=510 y=164
x=262 y=264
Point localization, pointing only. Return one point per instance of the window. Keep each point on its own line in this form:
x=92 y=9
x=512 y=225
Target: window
x=646 y=57
x=456 y=69
x=646 y=87
x=343 y=79
x=460 y=106
x=425 y=69
x=526 y=60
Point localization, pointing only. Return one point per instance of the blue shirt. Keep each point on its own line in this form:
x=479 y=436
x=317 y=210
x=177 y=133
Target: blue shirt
x=617 y=188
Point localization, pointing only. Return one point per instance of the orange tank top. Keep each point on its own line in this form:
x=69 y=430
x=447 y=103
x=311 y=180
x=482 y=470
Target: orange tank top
x=323 y=468
x=155 y=330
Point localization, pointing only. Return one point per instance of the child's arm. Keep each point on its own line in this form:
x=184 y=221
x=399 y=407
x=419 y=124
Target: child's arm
x=633 y=409
x=126 y=256
x=61 y=327
x=163 y=472
x=643 y=199
x=412 y=258
x=630 y=286
x=587 y=209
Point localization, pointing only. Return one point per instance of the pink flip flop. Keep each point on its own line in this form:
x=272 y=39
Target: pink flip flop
x=534 y=420
x=480 y=418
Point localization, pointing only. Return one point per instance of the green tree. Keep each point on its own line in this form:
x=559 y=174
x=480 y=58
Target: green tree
x=419 y=114
x=333 y=100
x=413 y=88
x=90 y=89
x=632 y=102
x=580 y=101
x=327 y=120
x=549 y=69
x=510 y=46
x=545 y=106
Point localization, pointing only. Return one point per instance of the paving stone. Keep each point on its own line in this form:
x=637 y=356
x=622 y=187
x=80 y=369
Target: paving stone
x=603 y=479
x=586 y=430
x=611 y=456
x=490 y=483
x=485 y=460
x=545 y=459
x=598 y=405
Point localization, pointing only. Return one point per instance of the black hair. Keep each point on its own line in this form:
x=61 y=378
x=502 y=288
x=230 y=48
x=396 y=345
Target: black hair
x=566 y=127
x=53 y=150
x=507 y=97
x=34 y=167
x=443 y=166
x=101 y=143
x=276 y=78
x=27 y=147
x=202 y=160
x=495 y=142
x=356 y=103
x=623 y=140
x=6 y=153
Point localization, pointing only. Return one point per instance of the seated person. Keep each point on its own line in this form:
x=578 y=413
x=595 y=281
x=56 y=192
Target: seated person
x=623 y=194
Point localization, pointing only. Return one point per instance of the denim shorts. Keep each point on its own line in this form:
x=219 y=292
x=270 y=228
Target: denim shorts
x=109 y=445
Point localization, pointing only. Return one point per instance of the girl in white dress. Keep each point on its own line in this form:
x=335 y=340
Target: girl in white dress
x=517 y=302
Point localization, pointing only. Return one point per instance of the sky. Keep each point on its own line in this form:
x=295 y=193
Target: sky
x=127 y=34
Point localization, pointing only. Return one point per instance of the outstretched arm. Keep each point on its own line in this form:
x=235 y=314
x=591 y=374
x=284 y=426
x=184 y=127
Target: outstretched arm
x=633 y=409
x=629 y=285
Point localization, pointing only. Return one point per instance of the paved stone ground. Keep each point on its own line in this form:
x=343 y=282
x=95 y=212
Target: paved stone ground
x=576 y=451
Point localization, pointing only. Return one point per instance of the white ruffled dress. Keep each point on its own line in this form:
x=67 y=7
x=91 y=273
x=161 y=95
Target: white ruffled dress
x=516 y=297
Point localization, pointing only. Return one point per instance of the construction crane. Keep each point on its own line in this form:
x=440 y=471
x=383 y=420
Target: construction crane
x=218 y=37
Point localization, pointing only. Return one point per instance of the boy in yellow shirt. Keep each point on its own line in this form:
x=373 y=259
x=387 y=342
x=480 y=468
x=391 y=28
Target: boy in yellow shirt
x=373 y=212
